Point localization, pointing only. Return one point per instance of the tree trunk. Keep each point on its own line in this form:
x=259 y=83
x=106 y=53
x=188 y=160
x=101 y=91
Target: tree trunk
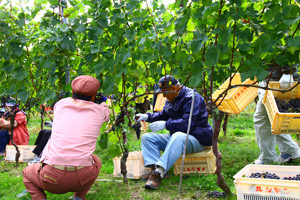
x=123 y=165
x=225 y=124
x=42 y=116
x=12 y=120
x=220 y=181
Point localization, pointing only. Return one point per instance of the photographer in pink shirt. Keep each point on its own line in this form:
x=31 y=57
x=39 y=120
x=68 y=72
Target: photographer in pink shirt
x=68 y=163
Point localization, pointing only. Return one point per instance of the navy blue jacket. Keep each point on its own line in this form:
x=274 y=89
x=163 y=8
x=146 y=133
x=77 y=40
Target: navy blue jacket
x=177 y=114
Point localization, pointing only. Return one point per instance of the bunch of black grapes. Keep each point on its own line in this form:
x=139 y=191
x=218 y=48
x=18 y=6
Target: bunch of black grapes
x=295 y=178
x=266 y=175
x=269 y=175
x=216 y=194
x=288 y=106
x=137 y=128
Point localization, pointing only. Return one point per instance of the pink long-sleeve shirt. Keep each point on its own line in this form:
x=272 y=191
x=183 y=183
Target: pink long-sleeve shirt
x=75 y=129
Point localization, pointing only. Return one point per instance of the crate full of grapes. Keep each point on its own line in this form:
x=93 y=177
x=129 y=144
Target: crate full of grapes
x=283 y=109
x=268 y=182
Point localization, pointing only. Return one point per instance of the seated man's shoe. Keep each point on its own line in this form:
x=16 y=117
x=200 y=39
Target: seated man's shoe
x=145 y=177
x=287 y=157
x=153 y=181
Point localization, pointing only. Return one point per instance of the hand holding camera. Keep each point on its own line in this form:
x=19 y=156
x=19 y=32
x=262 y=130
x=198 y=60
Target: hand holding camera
x=100 y=98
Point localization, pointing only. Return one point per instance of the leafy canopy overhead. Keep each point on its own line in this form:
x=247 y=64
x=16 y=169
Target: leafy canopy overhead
x=134 y=42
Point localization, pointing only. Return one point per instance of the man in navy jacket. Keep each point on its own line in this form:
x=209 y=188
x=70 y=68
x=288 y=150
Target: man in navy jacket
x=174 y=117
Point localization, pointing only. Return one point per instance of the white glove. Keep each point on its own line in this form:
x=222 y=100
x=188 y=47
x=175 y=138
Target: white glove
x=140 y=117
x=286 y=80
x=157 y=126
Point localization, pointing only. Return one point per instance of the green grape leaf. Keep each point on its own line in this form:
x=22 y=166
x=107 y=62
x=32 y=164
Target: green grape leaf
x=211 y=56
x=105 y=3
x=65 y=44
x=95 y=49
x=206 y=2
x=20 y=22
x=19 y=74
x=197 y=75
x=73 y=2
x=293 y=41
x=47 y=50
x=68 y=11
x=103 y=139
x=196 y=45
x=165 y=51
x=23 y=95
x=47 y=64
x=80 y=28
x=4 y=14
x=291 y=21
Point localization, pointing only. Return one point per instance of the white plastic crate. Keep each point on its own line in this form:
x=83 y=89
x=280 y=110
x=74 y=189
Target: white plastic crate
x=134 y=166
x=267 y=189
x=26 y=154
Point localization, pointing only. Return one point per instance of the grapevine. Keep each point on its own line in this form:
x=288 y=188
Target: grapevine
x=133 y=43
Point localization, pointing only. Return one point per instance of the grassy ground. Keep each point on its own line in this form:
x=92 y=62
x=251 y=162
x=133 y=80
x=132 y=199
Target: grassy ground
x=238 y=149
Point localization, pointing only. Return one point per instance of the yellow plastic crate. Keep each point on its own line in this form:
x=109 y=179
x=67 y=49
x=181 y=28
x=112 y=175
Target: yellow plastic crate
x=26 y=154
x=134 y=166
x=203 y=162
x=237 y=98
x=267 y=189
x=159 y=102
x=282 y=123
x=144 y=127
x=295 y=93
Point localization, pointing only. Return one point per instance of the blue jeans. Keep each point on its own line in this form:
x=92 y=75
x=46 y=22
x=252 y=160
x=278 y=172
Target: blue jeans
x=173 y=147
x=4 y=140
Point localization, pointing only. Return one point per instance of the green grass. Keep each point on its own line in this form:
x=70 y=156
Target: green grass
x=238 y=149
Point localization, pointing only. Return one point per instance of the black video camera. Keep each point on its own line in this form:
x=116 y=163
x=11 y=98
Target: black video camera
x=100 y=98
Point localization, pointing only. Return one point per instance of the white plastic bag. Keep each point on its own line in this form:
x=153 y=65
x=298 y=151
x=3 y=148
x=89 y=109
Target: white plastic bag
x=286 y=80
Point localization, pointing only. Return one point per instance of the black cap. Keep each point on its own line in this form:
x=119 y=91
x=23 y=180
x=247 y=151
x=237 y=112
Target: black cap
x=166 y=81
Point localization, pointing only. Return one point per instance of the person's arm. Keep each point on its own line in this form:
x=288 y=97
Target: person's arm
x=157 y=116
x=181 y=124
x=106 y=111
x=6 y=123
